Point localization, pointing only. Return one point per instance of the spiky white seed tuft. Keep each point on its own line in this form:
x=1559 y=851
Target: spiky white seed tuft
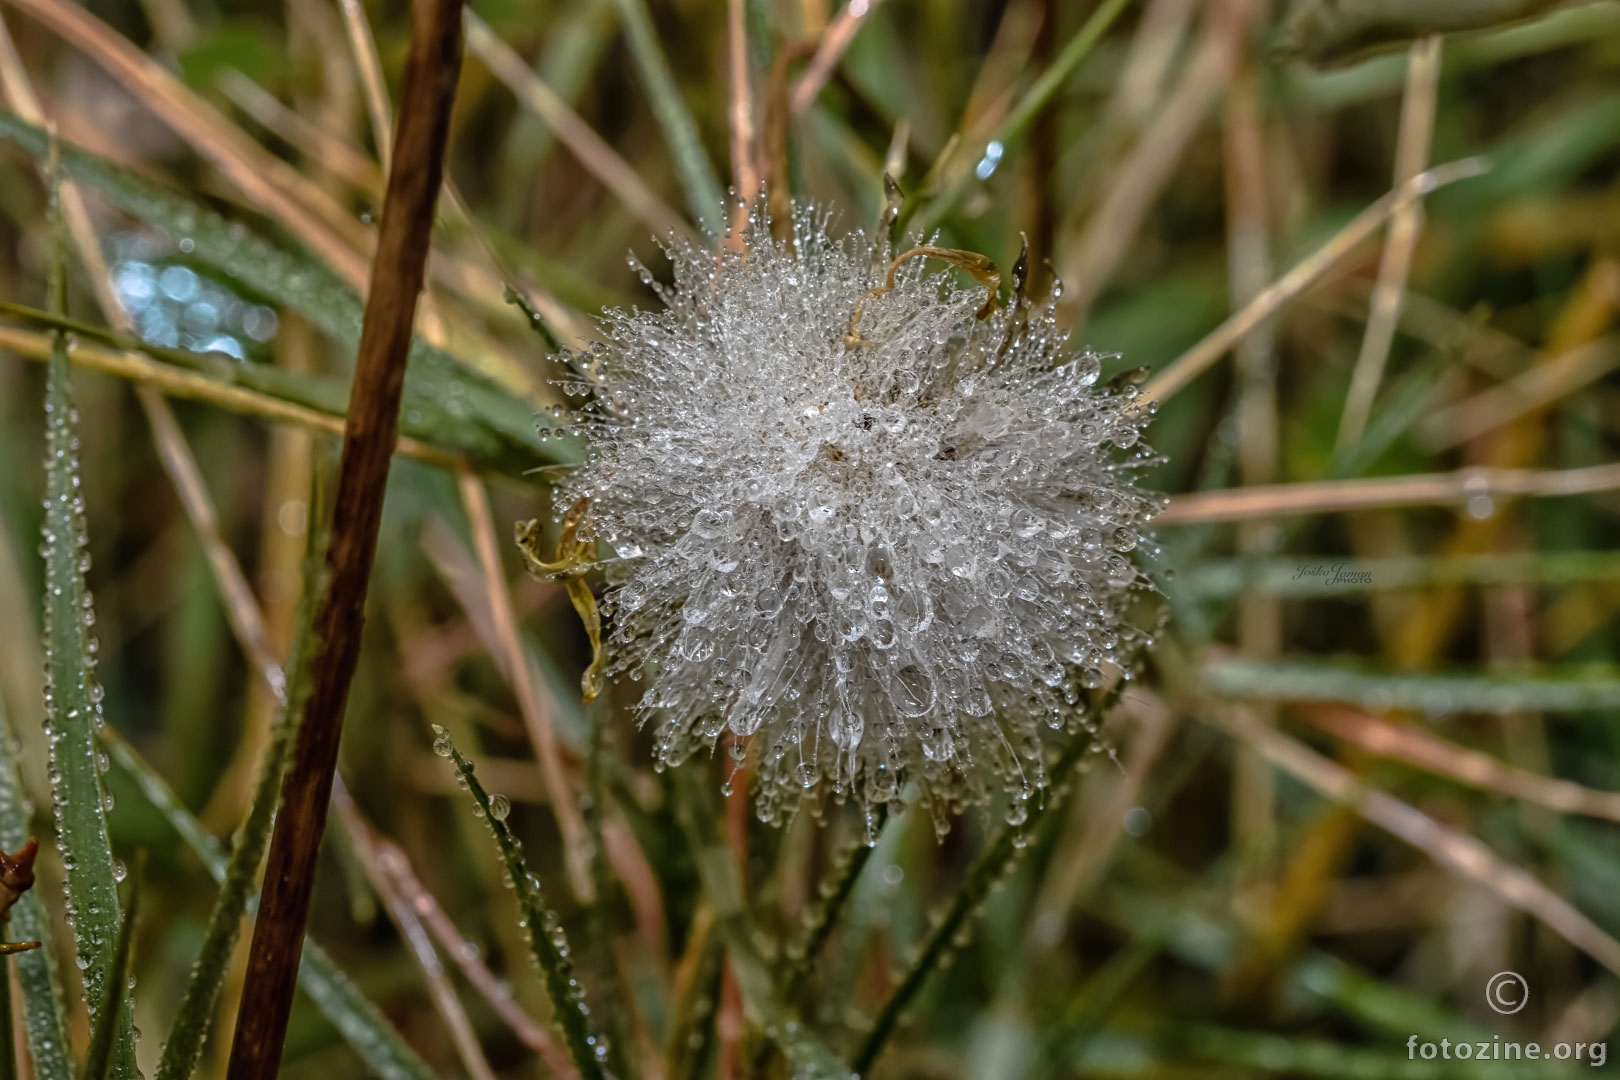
x=883 y=553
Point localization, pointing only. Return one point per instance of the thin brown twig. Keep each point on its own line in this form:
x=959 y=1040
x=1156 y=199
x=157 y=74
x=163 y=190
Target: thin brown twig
x=1144 y=173
x=1411 y=157
x=745 y=169
x=382 y=862
x=589 y=149
x=1457 y=852
x=829 y=50
x=368 y=66
x=1418 y=489
x=1305 y=273
x=398 y=272
x=1423 y=750
x=1541 y=383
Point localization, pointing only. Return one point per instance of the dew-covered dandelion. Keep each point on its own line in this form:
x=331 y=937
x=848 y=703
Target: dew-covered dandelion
x=860 y=515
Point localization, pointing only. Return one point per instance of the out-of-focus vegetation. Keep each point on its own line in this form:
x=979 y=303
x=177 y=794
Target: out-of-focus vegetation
x=1371 y=765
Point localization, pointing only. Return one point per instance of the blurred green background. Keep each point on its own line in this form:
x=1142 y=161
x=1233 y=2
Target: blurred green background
x=1222 y=897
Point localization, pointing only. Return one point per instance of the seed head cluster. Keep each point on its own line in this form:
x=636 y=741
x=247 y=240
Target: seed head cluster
x=878 y=538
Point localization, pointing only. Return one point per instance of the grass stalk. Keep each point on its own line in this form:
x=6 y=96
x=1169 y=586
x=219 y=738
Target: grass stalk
x=105 y=1017
x=703 y=194
x=548 y=944
x=182 y=1050
x=993 y=863
x=1305 y=273
x=335 y=995
x=1475 y=487
x=1022 y=115
x=1411 y=156
x=370 y=431
x=73 y=693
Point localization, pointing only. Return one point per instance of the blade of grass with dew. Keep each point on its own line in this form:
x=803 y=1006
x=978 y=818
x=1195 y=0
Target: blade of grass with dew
x=1225 y=578
x=1576 y=688
x=356 y=1018
x=1256 y=1053
x=548 y=944
x=105 y=1016
x=703 y=192
x=43 y=1012
x=183 y=1048
x=821 y=916
x=323 y=392
x=993 y=863
x=73 y=695
x=1020 y=118
x=171 y=381
x=445 y=402
x=717 y=870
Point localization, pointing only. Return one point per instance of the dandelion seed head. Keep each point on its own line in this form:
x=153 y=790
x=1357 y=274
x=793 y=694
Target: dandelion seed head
x=886 y=549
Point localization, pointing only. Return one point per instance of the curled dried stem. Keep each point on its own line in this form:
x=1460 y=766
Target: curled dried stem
x=17 y=877
x=979 y=267
x=574 y=558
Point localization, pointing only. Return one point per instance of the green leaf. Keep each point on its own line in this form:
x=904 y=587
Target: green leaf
x=703 y=192
x=992 y=864
x=1578 y=688
x=73 y=696
x=1328 y=575
x=834 y=892
x=105 y=1017
x=360 y=1022
x=43 y=1013
x=445 y=402
x=183 y=1048
x=548 y=944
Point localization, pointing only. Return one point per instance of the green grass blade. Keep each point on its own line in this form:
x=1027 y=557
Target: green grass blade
x=183 y=1048
x=445 y=401
x=703 y=192
x=1307 y=576
x=105 y=1019
x=1576 y=688
x=73 y=705
x=833 y=894
x=43 y=1013
x=1023 y=114
x=993 y=862
x=548 y=945
x=360 y=1022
